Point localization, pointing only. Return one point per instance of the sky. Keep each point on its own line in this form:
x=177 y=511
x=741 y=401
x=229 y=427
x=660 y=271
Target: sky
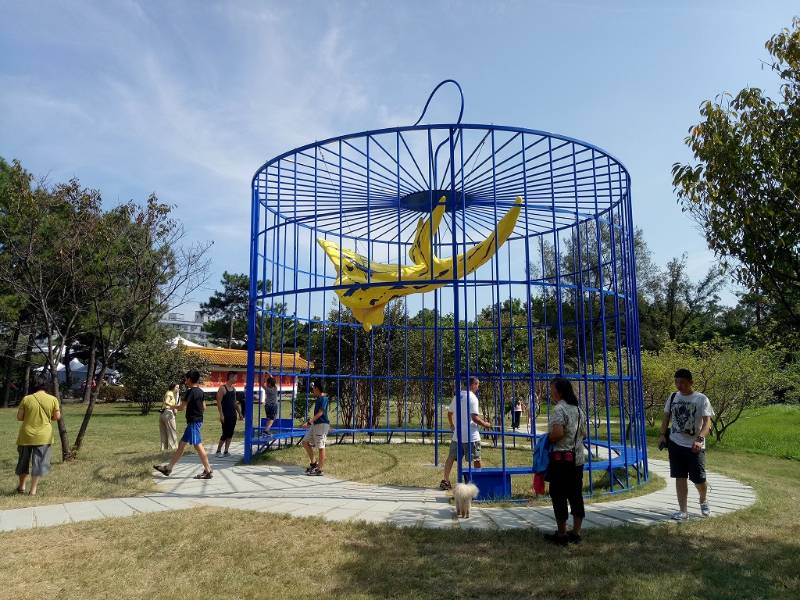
x=188 y=99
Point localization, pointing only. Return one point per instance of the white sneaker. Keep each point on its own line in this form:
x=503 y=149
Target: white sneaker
x=679 y=516
x=704 y=509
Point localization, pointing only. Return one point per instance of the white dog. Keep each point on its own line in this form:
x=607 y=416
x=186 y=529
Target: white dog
x=463 y=494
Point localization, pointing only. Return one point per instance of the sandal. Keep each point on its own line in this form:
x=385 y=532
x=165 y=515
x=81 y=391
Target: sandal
x=163 y=469
x=204 y=475
x=445 y=485
x=20 y=490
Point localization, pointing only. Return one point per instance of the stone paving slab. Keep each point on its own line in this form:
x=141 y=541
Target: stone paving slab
x=283 y=489
x=17 y=518
x=53 y=514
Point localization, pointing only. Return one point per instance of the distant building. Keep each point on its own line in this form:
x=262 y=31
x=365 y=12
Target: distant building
x=283 y=367
x=191 y=330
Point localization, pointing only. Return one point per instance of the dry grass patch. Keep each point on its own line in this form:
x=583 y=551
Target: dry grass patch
x=218 y=553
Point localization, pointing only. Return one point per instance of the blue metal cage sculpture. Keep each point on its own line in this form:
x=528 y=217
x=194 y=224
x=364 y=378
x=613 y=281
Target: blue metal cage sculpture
x=557 y=298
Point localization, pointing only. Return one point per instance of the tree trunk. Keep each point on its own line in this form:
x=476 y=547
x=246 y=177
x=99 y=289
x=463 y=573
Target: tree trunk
x=90 y=406
x=26 y=384
x=62 y=427
x=67 y=373
x=9 y=360
x=90 y=367
x=230 y=333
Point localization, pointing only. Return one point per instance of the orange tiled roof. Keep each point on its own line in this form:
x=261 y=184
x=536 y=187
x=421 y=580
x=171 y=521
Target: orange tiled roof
x=224 y=357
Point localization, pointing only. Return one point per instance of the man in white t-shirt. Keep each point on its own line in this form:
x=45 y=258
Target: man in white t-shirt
x=470 y=436
x=689 y=414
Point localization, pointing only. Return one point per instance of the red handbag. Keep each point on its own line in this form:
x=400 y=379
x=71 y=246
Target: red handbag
x=538 y=484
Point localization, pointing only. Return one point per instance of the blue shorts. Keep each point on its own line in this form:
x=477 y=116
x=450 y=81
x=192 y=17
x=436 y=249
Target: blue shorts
x=191 y=434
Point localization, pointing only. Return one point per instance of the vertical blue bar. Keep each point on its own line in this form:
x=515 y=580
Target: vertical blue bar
x=251 y=324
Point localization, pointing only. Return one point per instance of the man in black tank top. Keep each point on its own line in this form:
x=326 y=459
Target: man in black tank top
x=229 y=412
x=193 y=402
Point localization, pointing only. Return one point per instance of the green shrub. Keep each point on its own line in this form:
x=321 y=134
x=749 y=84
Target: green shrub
x=111 y=393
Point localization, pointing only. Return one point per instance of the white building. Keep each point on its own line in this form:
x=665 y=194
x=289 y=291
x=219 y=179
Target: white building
x=190 y=329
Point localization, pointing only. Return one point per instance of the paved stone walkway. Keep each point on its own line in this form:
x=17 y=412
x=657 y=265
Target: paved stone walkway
x=286 y=490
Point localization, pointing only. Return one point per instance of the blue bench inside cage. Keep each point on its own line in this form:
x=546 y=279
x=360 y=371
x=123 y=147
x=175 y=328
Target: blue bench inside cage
x=494 y=483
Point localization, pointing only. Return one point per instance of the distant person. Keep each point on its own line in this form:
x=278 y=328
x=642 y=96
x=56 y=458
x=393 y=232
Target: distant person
x=36 y=411
x=565 y=471
x=317 y=434
x=193 y=403
x=690 y=414
x=271 y=404
x=166 y=422
x=229 y=412
x=471 y=437
x=516 y=413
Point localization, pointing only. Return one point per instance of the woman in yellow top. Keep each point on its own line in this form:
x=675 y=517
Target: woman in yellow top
x=166 y=423
x=36 y=411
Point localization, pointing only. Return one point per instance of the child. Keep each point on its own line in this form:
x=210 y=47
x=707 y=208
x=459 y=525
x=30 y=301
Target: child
x=318 y=426
x=193 y=403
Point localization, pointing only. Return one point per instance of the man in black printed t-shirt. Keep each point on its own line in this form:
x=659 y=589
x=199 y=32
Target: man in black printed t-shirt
x=193 y=402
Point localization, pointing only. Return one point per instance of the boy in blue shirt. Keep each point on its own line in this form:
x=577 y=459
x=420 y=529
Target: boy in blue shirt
x=317 y=433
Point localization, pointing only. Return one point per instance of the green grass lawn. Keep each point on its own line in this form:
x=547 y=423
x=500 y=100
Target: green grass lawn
x=771 y=430
x=118 y=452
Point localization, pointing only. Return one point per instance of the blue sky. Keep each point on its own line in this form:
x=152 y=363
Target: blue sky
x=188 y=99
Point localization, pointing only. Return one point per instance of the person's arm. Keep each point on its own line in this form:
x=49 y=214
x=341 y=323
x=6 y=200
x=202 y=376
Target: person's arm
x=238 y=410
x=316 y=416
x=556 y=432
x=557 y=423
x=450 y=419
x=21 y=413
x=56 y=415
x=705 y=429
x=476 y=418
x=662 y=434
x=219 y=405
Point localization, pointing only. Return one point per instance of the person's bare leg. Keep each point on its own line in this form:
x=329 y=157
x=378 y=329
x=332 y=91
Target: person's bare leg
x=448 y=466
x=269 y=424
x=34 y=485
x=477 y=464
x=682 y=488
x=321 y=460
x=201 y=452
x=228 y=445
x=576 y=524
x=309 y=451
x=702 y=489
x=562 y=527
x=219 y=444
x=22 y=479
x=177 y=456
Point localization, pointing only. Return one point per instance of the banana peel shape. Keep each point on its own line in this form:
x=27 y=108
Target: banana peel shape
x=367 y=301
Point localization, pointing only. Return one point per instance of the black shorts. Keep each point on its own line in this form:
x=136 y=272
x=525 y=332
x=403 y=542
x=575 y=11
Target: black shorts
x=228 y=426
x=685 y=463
x=271 y=410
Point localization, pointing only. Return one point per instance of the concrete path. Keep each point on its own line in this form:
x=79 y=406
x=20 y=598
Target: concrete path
x=287 y=490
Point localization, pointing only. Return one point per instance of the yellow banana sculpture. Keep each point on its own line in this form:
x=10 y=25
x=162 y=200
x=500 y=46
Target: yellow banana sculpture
x=367 y=301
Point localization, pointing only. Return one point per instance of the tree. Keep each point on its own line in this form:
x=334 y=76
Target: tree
x=152 y=365
x=744 y=186
x=228 y=308
x=138 y=270
x=735 y=379
x=47 y=235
